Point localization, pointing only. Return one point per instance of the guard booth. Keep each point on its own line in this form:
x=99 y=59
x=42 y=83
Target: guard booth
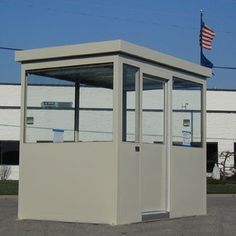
x=112 y=133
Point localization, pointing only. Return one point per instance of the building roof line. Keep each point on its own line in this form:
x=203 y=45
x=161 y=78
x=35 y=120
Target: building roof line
x=55 y=85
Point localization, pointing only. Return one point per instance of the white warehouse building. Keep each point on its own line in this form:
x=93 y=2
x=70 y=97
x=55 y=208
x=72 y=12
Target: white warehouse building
x=221 y=119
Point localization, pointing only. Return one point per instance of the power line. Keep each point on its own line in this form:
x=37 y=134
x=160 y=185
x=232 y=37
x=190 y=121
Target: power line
x=225 y=67
x=216 y=67
x=117 y=18
x=11 y=49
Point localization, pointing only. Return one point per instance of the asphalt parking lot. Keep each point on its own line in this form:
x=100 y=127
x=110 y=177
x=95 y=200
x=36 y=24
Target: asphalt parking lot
x=221 y=220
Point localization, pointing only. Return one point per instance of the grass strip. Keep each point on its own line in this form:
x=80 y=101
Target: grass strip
x=9 y=187
x=221 y=188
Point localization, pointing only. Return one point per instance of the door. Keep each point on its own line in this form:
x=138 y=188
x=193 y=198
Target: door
x=142 y=162
x=153 y=161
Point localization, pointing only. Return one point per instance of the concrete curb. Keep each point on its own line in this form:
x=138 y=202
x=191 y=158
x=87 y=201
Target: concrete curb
x=222 y=195
x=8 y=196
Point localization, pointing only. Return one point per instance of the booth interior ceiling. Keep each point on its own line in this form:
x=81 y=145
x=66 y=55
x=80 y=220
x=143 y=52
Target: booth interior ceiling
x=180 y=84
x=100 y=76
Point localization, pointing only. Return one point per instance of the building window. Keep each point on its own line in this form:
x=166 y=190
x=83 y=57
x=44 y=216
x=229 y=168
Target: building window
x=30 y=120
x=234 y=155
x=152 y=110
x=9 y=152
x=212 y=155
x=130 y=103
x=187 y=113
x=69 y=104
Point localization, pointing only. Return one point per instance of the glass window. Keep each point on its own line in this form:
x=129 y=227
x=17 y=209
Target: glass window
x=153 y=110
x=50 y=107
x=9 y=152
x=96 y=105
x=130 y=75
x=187 y=113
x=212 y=155
x=69 y=104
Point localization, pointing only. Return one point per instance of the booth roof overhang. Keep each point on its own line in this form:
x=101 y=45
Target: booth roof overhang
x=111 y=48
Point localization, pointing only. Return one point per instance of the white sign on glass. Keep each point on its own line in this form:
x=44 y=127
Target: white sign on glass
x=58 y=135
x=186 y=138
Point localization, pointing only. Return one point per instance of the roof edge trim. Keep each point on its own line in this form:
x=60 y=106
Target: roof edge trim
x=113 y=46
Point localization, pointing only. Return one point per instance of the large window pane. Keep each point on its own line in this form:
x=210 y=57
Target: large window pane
x=153 y=110
x=50 y=108
x=96 y=105
x=187 y=113
x=72 y=103
x=130 y=74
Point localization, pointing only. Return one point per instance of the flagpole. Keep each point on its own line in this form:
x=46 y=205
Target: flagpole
x=201 y=22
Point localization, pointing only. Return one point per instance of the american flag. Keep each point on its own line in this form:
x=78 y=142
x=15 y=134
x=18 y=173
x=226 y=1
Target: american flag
x=206 y=37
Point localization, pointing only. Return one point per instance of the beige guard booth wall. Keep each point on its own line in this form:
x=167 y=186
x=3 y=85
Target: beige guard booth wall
x=110 y=182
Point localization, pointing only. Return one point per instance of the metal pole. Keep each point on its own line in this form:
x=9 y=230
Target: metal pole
x=201 y=23
x=192 y=127
x=77 y=107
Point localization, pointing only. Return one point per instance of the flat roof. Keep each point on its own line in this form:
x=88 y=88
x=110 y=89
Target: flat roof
x=110 y=47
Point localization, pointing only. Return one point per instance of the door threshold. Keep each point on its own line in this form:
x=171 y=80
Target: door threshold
x=155 y=215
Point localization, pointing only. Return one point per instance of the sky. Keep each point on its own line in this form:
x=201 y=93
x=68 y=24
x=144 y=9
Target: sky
x=168 y=26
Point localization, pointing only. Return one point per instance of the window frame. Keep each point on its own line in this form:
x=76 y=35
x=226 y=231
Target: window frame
x=136 y=105
x=76 y=64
